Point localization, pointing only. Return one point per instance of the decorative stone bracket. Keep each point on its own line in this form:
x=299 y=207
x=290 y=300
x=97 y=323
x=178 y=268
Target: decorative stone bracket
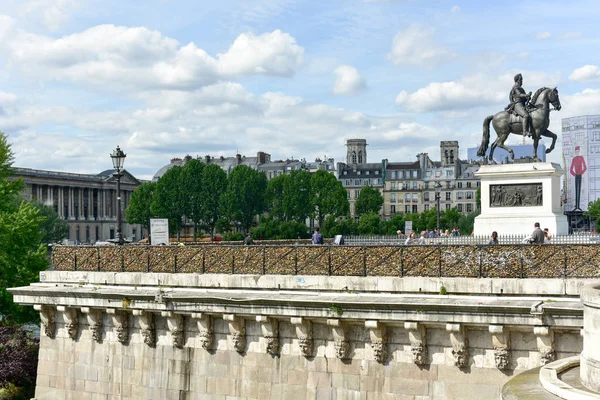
x=205 y=329
x=340 y=340
x=378 y=336
x=460 y=344
x=418 y=341
x=237 y=328
x=545 y=343
x=501 y=346
x=71 y=318
x=270 y=331
x=94 y=318
x=304 y=332
x=148 y=329
x=175 y=326
x=47 y=316
x=120 y=322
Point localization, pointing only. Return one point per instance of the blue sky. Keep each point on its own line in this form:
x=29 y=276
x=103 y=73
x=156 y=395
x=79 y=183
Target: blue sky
x=167 y=78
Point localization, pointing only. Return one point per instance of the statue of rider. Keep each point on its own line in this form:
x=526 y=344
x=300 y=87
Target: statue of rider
x=518 y=103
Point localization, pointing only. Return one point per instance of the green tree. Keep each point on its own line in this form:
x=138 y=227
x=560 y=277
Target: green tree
x=594 y=212
x=139 y=209
x=396 y=223
x=168 y=200
x=244 y=196
x=369 y=200
x=275 y=195
x=22 y=253
x=53 y=228
x=369 y=224
x=328 y=196
x=339 y=226
x=214 y=183
x=193 y=195
x=449 y=218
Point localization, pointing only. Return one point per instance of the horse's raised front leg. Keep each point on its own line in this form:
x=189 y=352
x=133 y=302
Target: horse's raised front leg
x=550 y=134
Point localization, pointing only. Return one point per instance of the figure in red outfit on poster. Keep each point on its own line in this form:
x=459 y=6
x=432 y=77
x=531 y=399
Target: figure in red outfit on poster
x=578 y=168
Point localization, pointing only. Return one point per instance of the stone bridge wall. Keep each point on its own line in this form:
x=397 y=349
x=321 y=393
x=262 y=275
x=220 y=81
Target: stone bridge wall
x=193 y=336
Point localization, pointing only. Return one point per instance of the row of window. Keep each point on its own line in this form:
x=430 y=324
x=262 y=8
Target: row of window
x=427 y=185
x=362 y=182
x=469 y=207
x=405 y=174
x=345 y=172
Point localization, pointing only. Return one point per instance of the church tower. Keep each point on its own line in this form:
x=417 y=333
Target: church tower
x=357 y=151
x=449 y=153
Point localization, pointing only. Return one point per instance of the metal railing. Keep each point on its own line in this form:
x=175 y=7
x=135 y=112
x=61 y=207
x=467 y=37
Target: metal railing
x=433 y=260
x=467 y=240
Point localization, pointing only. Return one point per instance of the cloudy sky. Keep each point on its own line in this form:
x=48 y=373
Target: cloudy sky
x=293 y=78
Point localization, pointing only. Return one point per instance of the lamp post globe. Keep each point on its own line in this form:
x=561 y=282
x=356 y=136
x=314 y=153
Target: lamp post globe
x=118 y=159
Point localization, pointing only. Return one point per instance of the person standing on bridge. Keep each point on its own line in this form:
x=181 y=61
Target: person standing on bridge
x=317 y=238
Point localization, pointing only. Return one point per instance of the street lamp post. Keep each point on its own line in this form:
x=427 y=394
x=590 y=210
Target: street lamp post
x=118 y=159
x=438 y=190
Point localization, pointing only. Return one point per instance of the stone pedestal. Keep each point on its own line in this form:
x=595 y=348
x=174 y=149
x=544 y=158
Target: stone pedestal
x=590 y=356
x=515 y=196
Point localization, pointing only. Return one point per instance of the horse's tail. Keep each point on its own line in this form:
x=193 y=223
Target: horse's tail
x=485 y=141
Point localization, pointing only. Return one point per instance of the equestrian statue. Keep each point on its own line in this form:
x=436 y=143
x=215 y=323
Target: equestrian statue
x=525 y=115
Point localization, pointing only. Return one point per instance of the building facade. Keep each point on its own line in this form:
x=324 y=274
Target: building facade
x=581 y=152
x=87 y=202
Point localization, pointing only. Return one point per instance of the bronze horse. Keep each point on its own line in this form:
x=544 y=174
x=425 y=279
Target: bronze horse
x=505 y=124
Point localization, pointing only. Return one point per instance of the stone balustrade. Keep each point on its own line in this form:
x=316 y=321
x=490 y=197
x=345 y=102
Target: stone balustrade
x=163 y=335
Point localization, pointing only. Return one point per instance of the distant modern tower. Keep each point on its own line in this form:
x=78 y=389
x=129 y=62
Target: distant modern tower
x=357 y=151
x=448 y=152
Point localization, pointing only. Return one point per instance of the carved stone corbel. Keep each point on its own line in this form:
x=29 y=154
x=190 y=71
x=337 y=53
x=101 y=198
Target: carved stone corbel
x=460 y=344
x=205 y=330
x=175 y=326
x=340 y=340
x=545 y=343
x=418 y=342
x=304 y=333
x=237 y=328
x=378 y=336
x=120 y=322
x=501 y=346
x=71 y=318
x=47 y=316
x=270 y=331
x=147 y=327
x=94 y=318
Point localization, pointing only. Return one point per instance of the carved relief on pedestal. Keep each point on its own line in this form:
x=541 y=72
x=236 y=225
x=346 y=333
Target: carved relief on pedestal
x=205 y=330
x=501 y=346
x=340 y=341
x=378 y=336
x=94 y=318
x=120 y=322
x=460 y=344
x=418 y=342
x=176 y=327
x=545 y=344
x=237 y=329
x=71 y=318
x=147 y=327
x=270 y=331
x=47 y=316
x=304 y=334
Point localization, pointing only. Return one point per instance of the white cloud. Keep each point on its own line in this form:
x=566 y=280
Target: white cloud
x=570 y=35
x=415 y=45
x=455 y=9
x=348 y=80
x=140 y=58
x=586 y=73
x=471 y=91
x=53 y=13
x=543 y=35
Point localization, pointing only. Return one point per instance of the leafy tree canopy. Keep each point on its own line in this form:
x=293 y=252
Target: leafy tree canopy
x=328 y=196
x=244 y=196
x=139 y=208
x=369 y=200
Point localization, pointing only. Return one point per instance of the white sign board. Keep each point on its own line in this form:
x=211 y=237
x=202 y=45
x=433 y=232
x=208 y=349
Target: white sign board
x=407 y=227
x=159 y=231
